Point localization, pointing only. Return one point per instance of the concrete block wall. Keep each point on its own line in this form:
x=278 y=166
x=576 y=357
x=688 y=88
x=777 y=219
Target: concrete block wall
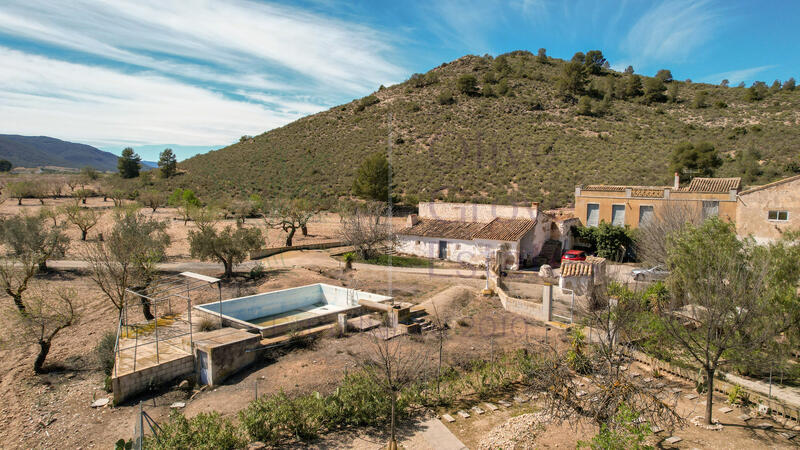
x=128 y=385
x=528 y=308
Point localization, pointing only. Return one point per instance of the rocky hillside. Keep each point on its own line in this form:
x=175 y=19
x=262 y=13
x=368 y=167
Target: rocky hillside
x=522 y=133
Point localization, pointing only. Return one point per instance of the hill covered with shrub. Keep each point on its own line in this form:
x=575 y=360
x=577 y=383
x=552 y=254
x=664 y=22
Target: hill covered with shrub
x=517 y=127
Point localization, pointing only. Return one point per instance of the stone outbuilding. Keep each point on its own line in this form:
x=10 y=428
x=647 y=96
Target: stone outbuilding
x=471 y=233
x=582 y=276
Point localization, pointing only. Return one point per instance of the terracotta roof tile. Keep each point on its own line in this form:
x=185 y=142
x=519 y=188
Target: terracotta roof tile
x=450 y=229
x=581 y=268
x=498 y=229
x=713 y=184
x=501 y=229
x=577 y=269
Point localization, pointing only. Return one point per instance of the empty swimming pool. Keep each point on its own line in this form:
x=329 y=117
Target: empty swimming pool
x=285 y=310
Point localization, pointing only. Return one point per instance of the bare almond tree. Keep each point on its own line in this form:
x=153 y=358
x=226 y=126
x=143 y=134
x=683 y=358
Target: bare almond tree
x=393 y=363
x=362 y=228
x=288 y=215
x=83 y=218
x=651 y=238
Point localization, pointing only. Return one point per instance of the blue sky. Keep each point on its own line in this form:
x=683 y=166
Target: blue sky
x=196 y=75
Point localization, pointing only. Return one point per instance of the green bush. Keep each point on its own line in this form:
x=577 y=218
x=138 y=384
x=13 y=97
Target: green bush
x=445 y=98
x=359 y=401
x=622 y=432
x=204 y=431
x=104 y=351
x=367 y=101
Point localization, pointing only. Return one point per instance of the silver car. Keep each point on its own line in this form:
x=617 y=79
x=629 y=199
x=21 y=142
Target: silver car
x=654 y=273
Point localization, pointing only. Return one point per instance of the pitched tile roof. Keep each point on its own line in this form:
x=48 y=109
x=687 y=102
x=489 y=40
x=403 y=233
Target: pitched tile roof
x=451 y=229
x=717 y=185
x=581 y=268
x=712 y=185
x=770 y=185
x=501 y=229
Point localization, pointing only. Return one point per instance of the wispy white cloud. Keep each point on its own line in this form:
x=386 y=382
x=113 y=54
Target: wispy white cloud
x=192 y=72
x=672 y=30
x=211 y=40
x=106 y=107
x=736 y=76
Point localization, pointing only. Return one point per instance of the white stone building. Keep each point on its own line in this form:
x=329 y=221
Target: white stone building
x=469 y=233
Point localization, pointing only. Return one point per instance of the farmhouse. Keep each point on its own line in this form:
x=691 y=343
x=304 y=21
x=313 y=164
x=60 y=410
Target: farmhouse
x=471 y=233
x=765 y=212
x=635 y=205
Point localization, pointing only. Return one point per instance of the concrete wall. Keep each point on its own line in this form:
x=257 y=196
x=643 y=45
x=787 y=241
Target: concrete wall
x=276 y=302
x=533 y=309
x=128 y=385
x=224 y=352
x=540 y=234
x=754 y=206
x=605 y=200
x=471 y=212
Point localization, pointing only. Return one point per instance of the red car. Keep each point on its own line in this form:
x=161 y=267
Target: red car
x=574 y=255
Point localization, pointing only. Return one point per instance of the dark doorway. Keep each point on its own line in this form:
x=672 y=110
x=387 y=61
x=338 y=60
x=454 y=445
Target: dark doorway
x=442 y=249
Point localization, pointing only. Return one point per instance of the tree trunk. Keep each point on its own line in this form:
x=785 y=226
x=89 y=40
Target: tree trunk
x=18 y=302
x=44 y=349
x=228 y=268
x=304 y=229
x=83 y=234
x=19 y=201
x=709 y=394
x=289 y=237
x=148 y=315
x=393 y=439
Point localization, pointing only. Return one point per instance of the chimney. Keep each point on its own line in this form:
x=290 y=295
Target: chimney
x=412 y=220
x=677 y=181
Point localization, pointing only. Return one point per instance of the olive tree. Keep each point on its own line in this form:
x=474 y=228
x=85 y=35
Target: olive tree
x=46 y=313
x=27 y=243
x=127 y=257
x=230 y=245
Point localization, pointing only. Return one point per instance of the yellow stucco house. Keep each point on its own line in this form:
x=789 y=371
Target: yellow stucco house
x=635 y=205
x=764 y=212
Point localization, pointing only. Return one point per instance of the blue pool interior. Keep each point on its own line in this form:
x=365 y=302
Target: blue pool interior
x=290 y=305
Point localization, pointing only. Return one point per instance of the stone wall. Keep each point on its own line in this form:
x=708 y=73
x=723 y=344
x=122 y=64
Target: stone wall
x=471 y=212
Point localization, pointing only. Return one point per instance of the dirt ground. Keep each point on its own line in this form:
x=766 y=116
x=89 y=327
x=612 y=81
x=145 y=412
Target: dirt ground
x=324 y=227
x=53 y=410
x=736 y=433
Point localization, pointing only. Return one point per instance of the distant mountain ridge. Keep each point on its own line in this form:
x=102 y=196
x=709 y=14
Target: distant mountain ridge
x=36 y=151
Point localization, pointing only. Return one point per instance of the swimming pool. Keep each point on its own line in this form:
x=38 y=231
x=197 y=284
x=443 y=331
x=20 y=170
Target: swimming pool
x=277 y=312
